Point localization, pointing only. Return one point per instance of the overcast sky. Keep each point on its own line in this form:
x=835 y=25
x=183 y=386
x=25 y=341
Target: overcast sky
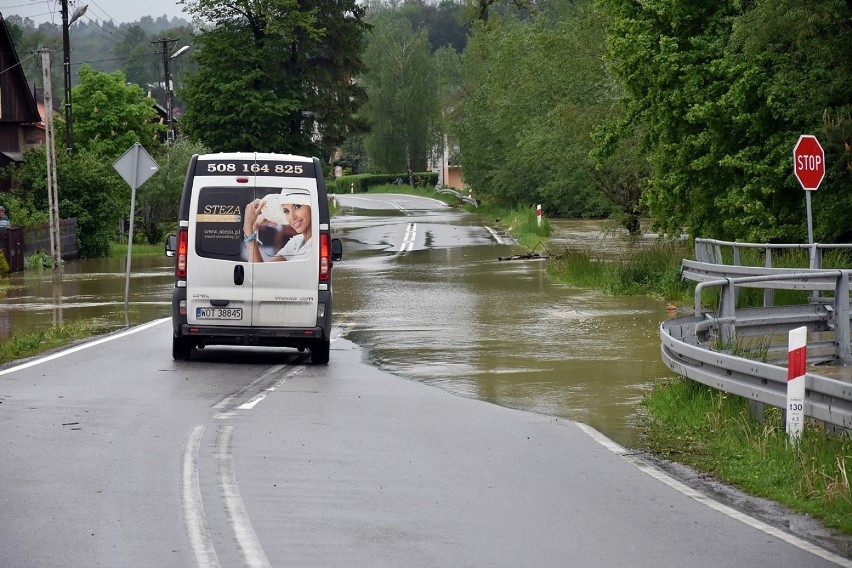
x=120 y=11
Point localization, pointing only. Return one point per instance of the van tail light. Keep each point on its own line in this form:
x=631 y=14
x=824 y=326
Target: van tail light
x=182 y=248
x=325 y=258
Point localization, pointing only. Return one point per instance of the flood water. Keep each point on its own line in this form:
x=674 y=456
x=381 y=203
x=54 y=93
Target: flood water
x=501 y=331
x=452 y=316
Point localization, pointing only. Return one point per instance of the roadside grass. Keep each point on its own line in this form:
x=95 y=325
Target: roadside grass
x=647 y=271
x=35 y=343
x=521 y=223
x=406 y=189
x=714 y=432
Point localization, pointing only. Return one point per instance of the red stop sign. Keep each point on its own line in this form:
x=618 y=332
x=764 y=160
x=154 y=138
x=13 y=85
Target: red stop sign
x=808 y=162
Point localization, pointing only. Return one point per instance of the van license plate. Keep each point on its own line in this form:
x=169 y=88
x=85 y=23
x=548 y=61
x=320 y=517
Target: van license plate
x=219 y=313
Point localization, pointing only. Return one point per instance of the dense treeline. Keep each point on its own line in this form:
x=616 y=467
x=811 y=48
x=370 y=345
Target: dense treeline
x=693 y=106
x=684 y=111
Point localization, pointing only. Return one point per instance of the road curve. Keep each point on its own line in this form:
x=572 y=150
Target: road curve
x=229 y=460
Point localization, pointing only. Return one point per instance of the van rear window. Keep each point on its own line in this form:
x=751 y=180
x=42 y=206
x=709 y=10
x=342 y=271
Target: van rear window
x=219 y=221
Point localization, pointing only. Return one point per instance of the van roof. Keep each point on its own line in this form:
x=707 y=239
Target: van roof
x=254 y=155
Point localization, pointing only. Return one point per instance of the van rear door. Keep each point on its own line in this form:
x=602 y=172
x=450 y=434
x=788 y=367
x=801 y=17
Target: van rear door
x=219 y=288
x=285 y=291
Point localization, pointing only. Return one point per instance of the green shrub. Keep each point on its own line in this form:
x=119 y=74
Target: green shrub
x=361 y=183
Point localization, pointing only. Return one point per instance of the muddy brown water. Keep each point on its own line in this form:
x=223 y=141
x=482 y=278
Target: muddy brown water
x=453 y=317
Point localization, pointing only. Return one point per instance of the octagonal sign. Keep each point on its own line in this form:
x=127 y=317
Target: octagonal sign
x=808 y=162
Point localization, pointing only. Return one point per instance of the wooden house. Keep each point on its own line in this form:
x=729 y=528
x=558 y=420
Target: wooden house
x=21 y=125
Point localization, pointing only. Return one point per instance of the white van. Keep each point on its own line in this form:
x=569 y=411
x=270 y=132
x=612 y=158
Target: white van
x=253 y=255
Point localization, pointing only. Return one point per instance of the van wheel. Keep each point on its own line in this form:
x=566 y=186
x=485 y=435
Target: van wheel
x=320 y=352
x=181 y=348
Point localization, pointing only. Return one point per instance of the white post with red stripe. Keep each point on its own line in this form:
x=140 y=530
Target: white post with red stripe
x=796 y=359
x=538 y=214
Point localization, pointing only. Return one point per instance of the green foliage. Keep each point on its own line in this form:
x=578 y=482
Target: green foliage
x=19 y=208
x=37 y=260
x=718 y=94
x=361 y=183
x=715 y=432
x=89 y=189
x=4 y=264
x=158 y=199
x=402 y=108
x=111 y=115
x=274 y=74
x=536 y=91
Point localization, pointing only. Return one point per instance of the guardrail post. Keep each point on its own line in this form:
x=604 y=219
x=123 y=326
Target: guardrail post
x=841 y=319
x=727 y=309
x=768 y=293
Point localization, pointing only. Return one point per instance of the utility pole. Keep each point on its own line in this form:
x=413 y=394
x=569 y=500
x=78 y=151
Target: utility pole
x=165 y=47
x=66 y=62
x=50 y=152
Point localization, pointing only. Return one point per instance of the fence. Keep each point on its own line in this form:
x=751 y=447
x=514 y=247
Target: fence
x=701 y=346
x=18 y=242
x=37 y=238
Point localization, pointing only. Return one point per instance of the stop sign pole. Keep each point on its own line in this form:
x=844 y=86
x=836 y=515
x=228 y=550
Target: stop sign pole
x=809 y=169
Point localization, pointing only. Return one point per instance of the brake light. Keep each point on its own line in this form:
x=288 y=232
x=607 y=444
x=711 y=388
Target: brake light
x=182 y=248
x=325 y=258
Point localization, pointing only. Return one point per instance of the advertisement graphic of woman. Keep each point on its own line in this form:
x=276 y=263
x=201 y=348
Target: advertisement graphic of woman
x=291 y=210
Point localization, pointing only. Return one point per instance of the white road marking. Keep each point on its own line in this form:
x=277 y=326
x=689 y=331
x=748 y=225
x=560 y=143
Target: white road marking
x=228 y=400
x=374 y=200
x=82 y=346
x=662 y=476
x=408 y=241
x=240 y=523
x=193 y=508
x=253 y=401
x=496 y=236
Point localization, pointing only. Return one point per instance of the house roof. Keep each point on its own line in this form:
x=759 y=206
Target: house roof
x=28 y=112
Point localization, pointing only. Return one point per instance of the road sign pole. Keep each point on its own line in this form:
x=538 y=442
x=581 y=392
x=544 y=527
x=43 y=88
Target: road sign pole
x=810 y=227
x=809 y=169
x=135 y=166
x=130 y=240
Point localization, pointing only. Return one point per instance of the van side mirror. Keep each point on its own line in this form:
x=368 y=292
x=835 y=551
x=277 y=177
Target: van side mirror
x=336 y=250
x=171 y=245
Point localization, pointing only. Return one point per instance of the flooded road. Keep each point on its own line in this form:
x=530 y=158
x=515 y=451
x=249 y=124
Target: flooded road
x=456 y=317
x=445 y=312
x=90 y=289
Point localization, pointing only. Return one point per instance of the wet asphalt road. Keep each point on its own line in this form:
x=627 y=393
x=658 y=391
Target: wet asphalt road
x=114 y=455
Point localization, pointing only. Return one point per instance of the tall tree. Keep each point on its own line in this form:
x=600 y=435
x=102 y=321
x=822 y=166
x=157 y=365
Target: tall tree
x=274 y=75
x=536 y=90
x=111 y=115
x=403 y=107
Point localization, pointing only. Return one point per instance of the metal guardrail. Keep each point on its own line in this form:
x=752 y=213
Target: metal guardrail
x=687 y=343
